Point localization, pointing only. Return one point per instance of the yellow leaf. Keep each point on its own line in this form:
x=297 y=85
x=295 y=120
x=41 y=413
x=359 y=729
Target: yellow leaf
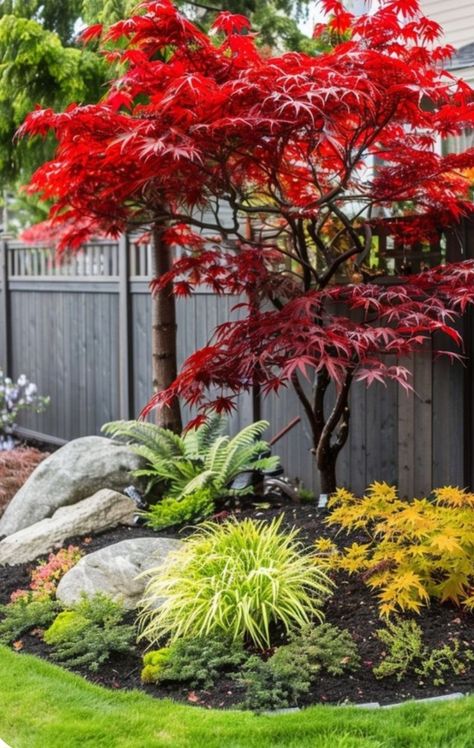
x=446 y=542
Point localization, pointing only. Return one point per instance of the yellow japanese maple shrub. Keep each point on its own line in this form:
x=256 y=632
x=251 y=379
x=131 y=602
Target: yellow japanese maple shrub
x=412 y=550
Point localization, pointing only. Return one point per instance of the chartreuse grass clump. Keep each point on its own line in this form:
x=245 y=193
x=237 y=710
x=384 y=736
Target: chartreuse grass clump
x=234 y=580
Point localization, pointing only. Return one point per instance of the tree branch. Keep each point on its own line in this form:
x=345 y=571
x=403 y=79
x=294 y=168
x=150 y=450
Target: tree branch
x=323 y=448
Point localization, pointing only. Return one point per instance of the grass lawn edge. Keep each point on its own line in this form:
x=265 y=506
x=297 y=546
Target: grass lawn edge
x=45 y=706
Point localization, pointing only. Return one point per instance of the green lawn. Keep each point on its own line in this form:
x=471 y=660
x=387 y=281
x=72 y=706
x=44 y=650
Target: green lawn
x=42 y=706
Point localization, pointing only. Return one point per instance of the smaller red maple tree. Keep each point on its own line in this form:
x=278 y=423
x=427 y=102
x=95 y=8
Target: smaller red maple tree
x=307 y=153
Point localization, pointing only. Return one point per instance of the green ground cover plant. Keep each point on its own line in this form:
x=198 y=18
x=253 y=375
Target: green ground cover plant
x=281 y=680
x=407 y=652
x=24 y=614
x=89 y=633
x=192 y=508
x=198 y=662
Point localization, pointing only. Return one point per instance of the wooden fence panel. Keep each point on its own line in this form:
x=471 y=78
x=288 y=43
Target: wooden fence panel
x=81 y=330
x=68 y=344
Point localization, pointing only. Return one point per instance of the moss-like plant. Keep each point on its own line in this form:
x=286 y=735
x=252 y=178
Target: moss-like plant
x=234 y=580
x=154 y=665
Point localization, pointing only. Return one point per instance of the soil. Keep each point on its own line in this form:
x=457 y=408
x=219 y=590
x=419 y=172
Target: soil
x=353 y=607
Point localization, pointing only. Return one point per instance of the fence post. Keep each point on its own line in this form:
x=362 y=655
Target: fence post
x=5 y=337
x=468 y=334
x=125 y=331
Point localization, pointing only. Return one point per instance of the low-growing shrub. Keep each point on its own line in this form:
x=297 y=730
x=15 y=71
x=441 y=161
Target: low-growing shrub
x=285 y=677
x=413 y=550
x=25 y=613
x=198 y=662
x=329 y=649
x=438 y=663
x=47 y=575
x=277 y=683
x=191 y=508
x=90 y=633
x=234 y=580
x=404 y=642
x=408 y=654
x=36 y=606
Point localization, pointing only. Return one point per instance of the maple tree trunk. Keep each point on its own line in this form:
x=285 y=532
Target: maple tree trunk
x=332 y=437
x=327 y=477
x=329 y=434
x=164 y=333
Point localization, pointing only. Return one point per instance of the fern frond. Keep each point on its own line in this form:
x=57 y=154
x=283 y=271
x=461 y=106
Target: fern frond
x=250 y=434
x=143 y=434
x=214 y=427
x=216 y=457
x=204 y=479
x=266 y=463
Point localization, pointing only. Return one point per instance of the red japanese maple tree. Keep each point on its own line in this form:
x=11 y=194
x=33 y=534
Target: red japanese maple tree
x=308 y=153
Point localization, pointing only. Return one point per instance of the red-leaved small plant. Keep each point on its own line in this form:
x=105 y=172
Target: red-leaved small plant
x=47 y=575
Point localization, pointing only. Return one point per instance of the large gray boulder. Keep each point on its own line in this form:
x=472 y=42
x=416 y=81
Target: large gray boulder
x=79 y=469
x=102 y=511
x=114 y=569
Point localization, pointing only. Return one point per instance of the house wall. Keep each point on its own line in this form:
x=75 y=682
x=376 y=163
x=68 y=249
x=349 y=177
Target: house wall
x=456 y=17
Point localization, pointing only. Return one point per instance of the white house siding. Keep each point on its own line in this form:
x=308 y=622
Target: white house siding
x=455 y=16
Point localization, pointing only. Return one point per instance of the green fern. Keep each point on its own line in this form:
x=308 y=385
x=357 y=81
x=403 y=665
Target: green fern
x=200 y=458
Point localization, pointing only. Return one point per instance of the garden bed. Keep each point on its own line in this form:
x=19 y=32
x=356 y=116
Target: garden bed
x=352 y=607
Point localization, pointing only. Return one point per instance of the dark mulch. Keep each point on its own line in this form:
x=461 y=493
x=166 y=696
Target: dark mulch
x=352 y=607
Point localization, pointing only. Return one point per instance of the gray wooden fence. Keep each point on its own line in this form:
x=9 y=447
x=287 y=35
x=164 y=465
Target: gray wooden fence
x=81 y=330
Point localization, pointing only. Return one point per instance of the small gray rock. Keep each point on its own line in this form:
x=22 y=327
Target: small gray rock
x=102 y=511
x=76 y=471
x=113 y=570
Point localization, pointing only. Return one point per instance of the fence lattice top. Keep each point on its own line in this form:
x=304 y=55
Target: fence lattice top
x=98 y=260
